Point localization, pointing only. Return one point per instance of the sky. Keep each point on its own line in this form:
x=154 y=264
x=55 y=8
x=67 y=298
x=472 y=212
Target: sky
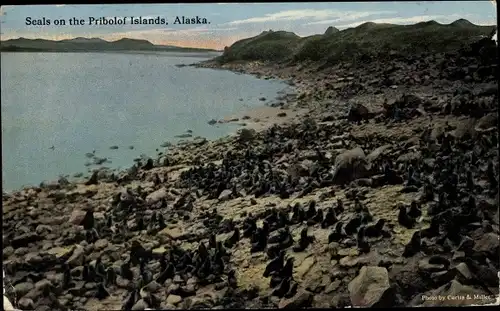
x=230 y=22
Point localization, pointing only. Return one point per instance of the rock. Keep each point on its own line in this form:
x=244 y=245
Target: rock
x=281 y=114
x=77 y=257
x=174 y=299
x=61 y=252
x=409 y=157
x=262 y=99
x=425 y=266
x=199 y=141
x=156 y=196
x=42 y=284
x=350 y=165
x=33 y=258
x=375 y=154
x=348 y=252
x=26 y=304
x=465 y=129
x=158 y=251
x=331 y=30
x=370 y=287
x=488 y=243
x=463 y=270
x=305 y=266
x=225 y=195
x=332 y=286
x=25 y=239
x=140 y=305
x=459 y=256
x=437 y=132
x=352 y=261
x=212 y=122
x=8 y=251
x=122 y=283
x=488 y=121
x=100 y=244
x=76 y=217
x=443 y=277
x=23 y=288
x=246 y=135
x=302 y=299
x=50 y=185
x=113 y=147
x=173 y=233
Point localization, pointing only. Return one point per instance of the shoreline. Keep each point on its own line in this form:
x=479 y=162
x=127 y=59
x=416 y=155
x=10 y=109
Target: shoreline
x=360 y=134
x=261 y=117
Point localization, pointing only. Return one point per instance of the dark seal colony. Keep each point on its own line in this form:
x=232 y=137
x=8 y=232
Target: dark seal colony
x=377 y=198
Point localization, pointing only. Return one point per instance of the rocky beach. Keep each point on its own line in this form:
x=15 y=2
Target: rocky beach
x=375 y=185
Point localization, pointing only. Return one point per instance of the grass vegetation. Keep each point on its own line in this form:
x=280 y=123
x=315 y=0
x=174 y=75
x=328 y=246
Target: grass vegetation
x=367 y=41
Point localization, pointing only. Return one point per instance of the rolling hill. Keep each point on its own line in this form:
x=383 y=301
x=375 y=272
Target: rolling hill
x=368 y=40
x=88 y=45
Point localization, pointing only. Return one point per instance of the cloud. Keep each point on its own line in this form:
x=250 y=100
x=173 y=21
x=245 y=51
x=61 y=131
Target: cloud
x=348 y=17
x=293 y=15
x=166 y=33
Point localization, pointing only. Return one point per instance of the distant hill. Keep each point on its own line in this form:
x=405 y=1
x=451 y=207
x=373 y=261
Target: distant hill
x=81 y=44
x=331 y=30
x=369 y=40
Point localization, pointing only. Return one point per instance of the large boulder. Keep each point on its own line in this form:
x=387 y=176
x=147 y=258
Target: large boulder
x=156 y=196
x=487 y=122
x=370 y=288
x=350 y=165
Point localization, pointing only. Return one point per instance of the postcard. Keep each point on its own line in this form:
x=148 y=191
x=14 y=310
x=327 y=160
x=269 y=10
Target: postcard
x=250 y=155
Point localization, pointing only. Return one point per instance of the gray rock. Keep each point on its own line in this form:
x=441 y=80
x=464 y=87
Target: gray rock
x=76 y=216
x=23 y=288
x=463 y=271
x=100 y=244
x=26 y=304
x=464 y=129
x=350 y=165
x=156 y=196
x=174 y=299
x=300 y=300
x=77 y=257
x=409 y=157
x=488 y=121
x=42 y=284
x=425 y=266
x=370 y=287
x=225 y=195
x=140 y=305
x=375 y=154
x=488 y=243
x=246 y=135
